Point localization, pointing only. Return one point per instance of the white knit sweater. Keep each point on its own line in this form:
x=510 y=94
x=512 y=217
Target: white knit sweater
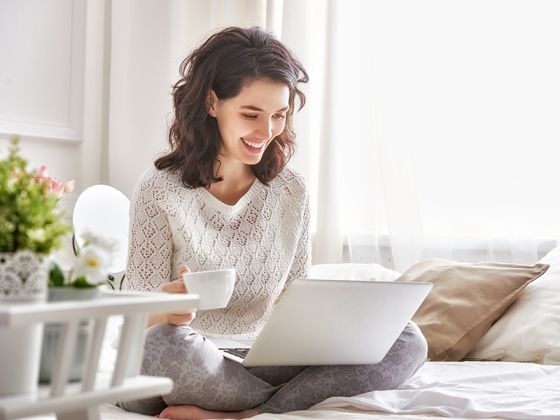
x=265 y=237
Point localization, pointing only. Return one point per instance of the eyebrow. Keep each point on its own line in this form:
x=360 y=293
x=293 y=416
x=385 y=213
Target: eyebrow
x=255 y=108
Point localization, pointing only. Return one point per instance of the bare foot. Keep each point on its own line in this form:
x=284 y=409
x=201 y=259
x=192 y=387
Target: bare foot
x=192 y=412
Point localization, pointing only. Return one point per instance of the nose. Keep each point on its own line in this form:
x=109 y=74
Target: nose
x=265 y=129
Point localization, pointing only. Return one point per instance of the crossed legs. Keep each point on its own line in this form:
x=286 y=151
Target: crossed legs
x=205 y=379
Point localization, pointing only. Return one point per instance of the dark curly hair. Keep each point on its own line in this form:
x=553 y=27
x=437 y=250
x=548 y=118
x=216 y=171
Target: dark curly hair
x=224 y=63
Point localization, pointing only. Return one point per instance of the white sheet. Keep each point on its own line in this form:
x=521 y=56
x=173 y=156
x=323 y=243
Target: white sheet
x=520 y=391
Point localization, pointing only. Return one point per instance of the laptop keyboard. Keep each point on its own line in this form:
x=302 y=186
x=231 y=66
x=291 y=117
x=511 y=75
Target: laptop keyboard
x=239 y=352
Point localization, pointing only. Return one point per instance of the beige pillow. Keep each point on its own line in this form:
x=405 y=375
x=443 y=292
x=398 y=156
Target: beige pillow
x=465 y=300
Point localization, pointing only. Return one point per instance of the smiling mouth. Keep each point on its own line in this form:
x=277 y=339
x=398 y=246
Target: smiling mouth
x=253 y=146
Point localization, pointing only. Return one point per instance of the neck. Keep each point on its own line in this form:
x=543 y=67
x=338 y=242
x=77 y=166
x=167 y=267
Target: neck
x=237 y=178
x=233 y=172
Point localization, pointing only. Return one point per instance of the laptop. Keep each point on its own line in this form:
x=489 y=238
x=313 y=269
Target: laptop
x=330 y=322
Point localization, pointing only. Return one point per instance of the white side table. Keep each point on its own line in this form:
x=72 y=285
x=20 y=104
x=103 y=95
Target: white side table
x=81 y=400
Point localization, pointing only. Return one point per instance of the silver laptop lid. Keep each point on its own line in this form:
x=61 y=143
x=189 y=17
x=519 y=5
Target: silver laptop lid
x=329 y=322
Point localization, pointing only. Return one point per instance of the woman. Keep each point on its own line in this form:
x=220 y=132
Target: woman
x=223 y=197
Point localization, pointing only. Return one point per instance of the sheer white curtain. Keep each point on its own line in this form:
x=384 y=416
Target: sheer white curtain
x=431 y=128
x=440 y=132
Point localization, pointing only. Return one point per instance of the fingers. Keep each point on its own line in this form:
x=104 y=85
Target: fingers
x=182 y=270
x=175 y=286
x=178 y=286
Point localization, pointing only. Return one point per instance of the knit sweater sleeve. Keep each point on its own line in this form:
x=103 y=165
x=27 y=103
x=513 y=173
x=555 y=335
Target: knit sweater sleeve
x=150 y=239
x=302 y=257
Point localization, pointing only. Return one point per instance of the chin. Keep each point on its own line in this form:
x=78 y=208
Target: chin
x=253 y=161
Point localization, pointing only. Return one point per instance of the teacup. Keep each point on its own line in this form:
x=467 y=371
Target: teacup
x=214 y=287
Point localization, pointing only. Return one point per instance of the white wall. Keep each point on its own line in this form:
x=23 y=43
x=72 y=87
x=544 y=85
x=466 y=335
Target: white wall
x=41 y=81
x=53 y=86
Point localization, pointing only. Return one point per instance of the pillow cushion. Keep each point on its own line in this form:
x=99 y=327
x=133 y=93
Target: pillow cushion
x=465 y=300
x=530 y=330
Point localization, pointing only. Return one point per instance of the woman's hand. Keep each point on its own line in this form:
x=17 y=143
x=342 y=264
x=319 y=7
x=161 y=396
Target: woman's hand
x=178 y=286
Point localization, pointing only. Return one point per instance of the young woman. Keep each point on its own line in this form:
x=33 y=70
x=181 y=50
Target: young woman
x=223 y=197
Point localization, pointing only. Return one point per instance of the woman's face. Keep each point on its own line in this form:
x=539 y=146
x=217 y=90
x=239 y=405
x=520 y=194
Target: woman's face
x=251 y=120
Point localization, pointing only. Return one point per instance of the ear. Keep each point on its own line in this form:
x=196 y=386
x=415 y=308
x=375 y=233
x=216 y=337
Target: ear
x=211 y=100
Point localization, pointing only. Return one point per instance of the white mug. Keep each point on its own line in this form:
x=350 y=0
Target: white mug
x=214 y=287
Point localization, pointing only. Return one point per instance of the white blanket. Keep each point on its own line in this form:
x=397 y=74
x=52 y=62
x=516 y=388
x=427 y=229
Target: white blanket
x=468 y=389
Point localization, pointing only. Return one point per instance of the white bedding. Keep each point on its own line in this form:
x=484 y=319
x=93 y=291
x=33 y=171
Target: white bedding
x=509 y=390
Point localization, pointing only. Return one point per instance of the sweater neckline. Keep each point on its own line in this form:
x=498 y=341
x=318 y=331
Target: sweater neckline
x=230 y=209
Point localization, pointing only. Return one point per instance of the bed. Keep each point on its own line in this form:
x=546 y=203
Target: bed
x=511 y=368
x=507 y=342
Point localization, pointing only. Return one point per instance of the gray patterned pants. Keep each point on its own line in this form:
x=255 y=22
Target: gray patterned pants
x=203 y=377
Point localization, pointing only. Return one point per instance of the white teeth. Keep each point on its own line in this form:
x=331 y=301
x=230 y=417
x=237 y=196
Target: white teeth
x=254 y=145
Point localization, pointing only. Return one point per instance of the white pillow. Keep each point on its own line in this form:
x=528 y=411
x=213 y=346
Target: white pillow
x=530 y=329
x=352 y=272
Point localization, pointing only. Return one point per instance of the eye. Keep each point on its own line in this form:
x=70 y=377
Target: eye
x=249 y=116
x=280 y=116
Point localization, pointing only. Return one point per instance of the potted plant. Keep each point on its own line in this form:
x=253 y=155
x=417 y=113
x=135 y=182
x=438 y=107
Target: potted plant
x=90 y=269
x=31 y=226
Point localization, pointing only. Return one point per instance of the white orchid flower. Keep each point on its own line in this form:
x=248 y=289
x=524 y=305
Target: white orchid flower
x=93 y=263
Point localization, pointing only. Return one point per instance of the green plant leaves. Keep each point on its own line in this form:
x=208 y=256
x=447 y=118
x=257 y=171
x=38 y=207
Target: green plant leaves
x=82 y=283
x=56 y=276
x=29 y=215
